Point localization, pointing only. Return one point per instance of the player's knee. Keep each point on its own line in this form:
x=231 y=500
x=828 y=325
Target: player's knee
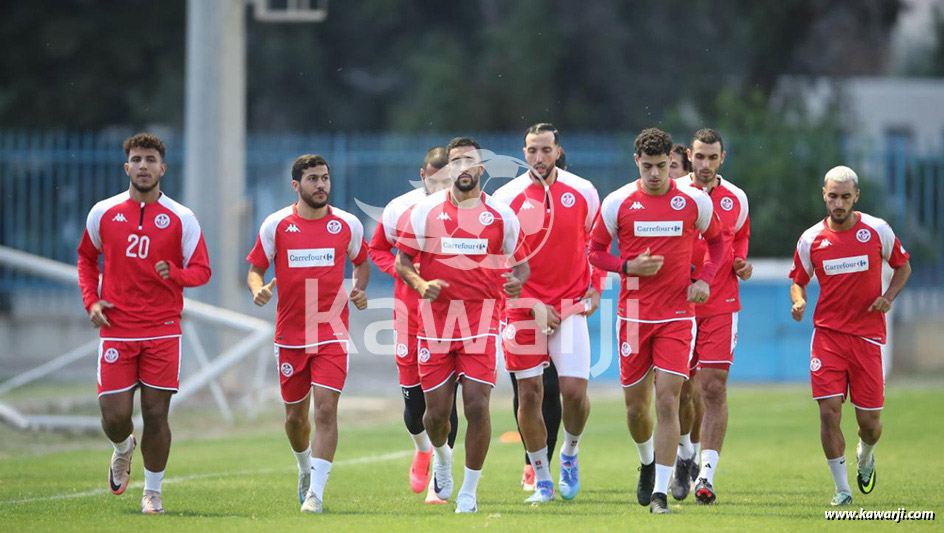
x=154 y=415
x=870 y=429
x=295 y=420
x=325 y=416
x=436 y=415
x=530 y=395
x=636 y=410
x=830 y=415
x=714 y=390
x=685 y=396
x=476 y=408
x=667 y=404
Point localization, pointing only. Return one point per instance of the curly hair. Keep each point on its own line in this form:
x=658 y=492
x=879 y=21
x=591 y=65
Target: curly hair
x=653 y=141
x=146 y=141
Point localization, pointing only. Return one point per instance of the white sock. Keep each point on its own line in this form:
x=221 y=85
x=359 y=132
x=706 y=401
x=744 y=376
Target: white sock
x=697 y=447
x=865 y=452
x=647 y=451
x=685 y=448
x=421 y=441
x=470 y=483
x=837 y=467
x=123 y=446
x=709 y=462
x=303 y=459
x=663 y=475
x=152 y=480
x=442 y=455
x=539 y=463
x=571 y=444
x=320 y=470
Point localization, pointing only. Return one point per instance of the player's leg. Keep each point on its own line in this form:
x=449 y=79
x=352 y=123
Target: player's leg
x=414 y=406
x=834 y=446
x=475 y=401
x=829 y=380
x=867 y=392
x=117 y=377
x=551 y=407
x=715 y=422
x=155 y=444
x=684 y=459
x=437 y=375
x=159 y=373
x=636 y=377
x=695 y=437
x=534 y=433
x=327 y=365
x=569 y=348
x=668 y=387
x=295 y=387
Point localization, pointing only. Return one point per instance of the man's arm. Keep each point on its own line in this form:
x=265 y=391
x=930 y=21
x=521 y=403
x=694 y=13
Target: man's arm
x=88 y=283
x=516 y=279
x=361 y=277
x=381 y=251
x=883 y=303
x=427 y=289
x=261 y=292
x=798 y=297
x=196 y=273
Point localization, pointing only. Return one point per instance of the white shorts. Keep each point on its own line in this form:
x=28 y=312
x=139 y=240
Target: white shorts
x=568 y=348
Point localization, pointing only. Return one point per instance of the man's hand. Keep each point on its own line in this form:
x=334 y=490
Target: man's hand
x=97 y=314
x=359 y=299
x=546 y=317
x=512 y=286
x=430 y=290
x=644 y=265
x=163 y=268
x=743 y=269
x=594 y=300
x=698 y=292
x=264 y=294
x=881 y=304
x=798 y=308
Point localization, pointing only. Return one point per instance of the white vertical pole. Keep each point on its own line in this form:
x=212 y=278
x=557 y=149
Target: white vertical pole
x=215 y=137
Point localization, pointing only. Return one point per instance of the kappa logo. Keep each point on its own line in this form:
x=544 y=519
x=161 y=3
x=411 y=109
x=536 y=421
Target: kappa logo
x=637 y=205
x=678 y=202
x=510 y=332
x=626 y=349
x=486 y=218
x=111 y=355
x=568 y=199
x=424 y=355
x=727 y=203
x=824 y=243
x=292 y=228
x=443 y=216
x=334 y=227
x=527 y=205
x=863 y=235
x=815 y=364
x=162 y=221
x=120 y=217
x=402 y=350
x=286 y=369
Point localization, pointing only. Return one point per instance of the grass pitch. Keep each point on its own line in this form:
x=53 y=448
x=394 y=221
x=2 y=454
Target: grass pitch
x=772 y=476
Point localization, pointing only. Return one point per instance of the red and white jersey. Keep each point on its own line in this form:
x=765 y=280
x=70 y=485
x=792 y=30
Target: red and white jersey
x=133 y=237
x=665 y=225
x=730 y=204
x=848 y=265
x=556 y=223
x=309 y=266
x=394 y=219
x=464 y=247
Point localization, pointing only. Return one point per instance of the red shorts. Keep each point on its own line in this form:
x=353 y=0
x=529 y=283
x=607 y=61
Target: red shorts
x=122 y=364
x=715 y=341
x=840 y=362
x=407 y=367
x=525 y=347
x=666 y=346
x=473 y=358
x=324 y=365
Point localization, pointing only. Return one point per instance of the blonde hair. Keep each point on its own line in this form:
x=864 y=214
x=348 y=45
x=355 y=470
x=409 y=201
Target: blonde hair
x=841 y=174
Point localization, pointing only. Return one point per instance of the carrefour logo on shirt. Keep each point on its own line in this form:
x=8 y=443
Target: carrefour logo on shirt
x=311 y=257
x=846 y=265
x=456 y=246
x=662 y=228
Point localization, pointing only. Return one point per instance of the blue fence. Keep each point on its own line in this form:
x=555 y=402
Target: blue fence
x=49 y=180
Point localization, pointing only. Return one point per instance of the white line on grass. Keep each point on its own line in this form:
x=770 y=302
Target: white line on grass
x=138 y=484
